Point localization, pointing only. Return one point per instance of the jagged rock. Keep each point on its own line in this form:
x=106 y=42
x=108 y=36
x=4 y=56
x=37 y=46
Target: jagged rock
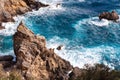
x=35 y=5
x=6 y=58
x=75 y=74
x=1 y=27
x=7 y=61
x=7 y=64
x=10 y=8
x=109 y=16
x=35 y=60
x=59 y=47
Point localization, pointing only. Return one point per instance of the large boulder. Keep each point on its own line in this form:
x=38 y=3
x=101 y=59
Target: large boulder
x=109 y=16
x=35 y=60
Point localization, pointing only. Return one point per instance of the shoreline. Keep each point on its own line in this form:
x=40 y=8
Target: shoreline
x=18 y=8
x=35 y=61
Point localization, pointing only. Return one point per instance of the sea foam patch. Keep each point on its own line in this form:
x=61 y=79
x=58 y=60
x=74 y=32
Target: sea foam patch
x=53 y=9
x=99 y=23
x=79 y=55
x=10 y=27
x=50 y=1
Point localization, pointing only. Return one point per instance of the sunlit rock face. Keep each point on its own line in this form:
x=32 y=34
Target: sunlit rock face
x=35 y=60
x=10 y=8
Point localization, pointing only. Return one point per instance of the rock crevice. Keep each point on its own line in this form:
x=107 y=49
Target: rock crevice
x=35 y=60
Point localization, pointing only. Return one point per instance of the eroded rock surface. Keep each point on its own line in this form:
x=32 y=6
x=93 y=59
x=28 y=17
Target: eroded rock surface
x=109 y=16
x=10 y=8
x=35 y=60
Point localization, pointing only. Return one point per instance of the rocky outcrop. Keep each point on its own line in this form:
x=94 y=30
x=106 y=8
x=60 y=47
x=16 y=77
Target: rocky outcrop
x=35 y=5
x=6 y=61
x=109 y=16
x=59 y=47
x=1 y=27
x=10 y=8
x=6 y=58
x=35 y=60
x=75 y=74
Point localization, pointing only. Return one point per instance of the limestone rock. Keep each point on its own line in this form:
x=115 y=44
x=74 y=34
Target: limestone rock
x=10 y=8
x=35 y=60
x=109 y=16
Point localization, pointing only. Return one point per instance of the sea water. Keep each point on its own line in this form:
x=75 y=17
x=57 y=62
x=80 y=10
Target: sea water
x=75 y=25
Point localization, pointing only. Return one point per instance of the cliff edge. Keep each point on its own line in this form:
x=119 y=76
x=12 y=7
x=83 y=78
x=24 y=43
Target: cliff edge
x=10 y=8
x=35 y=60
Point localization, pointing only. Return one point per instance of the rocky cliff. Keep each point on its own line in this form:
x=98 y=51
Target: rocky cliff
x=10 y=8
x=35 y=60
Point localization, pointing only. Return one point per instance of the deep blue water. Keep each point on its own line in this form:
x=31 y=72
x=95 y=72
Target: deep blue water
x=74 y=24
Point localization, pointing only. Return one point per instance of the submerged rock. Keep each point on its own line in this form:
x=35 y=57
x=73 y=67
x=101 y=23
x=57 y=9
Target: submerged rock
x=109 y=16
x=35 y=60
x=59 y=47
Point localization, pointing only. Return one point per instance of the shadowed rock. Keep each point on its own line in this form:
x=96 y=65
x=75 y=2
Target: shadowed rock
x=76 y=72
x=7 y=61
x=59 y=47
x=7 y=64
x=1 y=27
x=35 y=5
x=11 y=8
x=6 y=58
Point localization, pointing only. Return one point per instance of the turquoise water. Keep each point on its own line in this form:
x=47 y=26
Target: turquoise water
x=75 y=25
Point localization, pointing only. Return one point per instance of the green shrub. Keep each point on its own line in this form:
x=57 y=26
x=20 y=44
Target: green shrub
x=99 y=72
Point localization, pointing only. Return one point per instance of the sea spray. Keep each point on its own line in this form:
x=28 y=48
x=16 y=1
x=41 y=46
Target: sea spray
x=10 y=27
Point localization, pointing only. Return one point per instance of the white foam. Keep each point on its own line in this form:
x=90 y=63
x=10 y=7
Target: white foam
x=50 y=1
x=9 y=52
x=79 y=55
x=10 y=27
x=101 y=23
x=55 y=7
x=81 y=0
x=50 y=10
x=92 y=21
